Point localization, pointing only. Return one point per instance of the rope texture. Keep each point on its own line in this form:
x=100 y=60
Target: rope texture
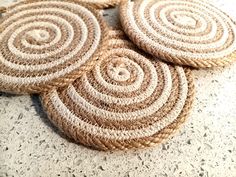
x=184 y=29
x=98 y=4
x=68 y=77
x=57 y=102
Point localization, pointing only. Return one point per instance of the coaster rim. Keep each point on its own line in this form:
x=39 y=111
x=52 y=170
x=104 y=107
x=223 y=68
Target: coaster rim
x=104 y=5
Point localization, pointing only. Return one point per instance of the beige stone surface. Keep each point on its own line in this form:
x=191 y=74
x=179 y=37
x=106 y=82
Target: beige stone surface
x=31 y=146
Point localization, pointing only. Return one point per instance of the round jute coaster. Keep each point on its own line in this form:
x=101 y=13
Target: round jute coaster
x=185 y=32
x=47 y=44
x=127 y=101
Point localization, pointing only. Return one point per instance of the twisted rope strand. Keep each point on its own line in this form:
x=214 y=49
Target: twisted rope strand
x=107 y=109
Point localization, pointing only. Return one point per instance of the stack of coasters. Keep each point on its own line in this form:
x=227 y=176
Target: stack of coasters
x=185 y=32
x=95 y=85
x=129 y=100
x=48 y=44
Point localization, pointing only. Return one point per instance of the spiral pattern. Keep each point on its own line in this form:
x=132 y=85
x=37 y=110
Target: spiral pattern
x=48 y=44
x=187 y=32
x=128 y=100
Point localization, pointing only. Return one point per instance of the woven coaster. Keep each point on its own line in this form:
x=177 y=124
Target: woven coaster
x=47 y=44
x=185 y=32
x=127 y=101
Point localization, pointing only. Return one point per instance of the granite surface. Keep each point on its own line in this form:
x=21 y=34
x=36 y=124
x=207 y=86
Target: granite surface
x=31 y=146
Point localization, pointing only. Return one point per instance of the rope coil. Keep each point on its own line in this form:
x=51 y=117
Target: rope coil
x=98 y=4
x=185 y=32
x=127 y=101
x=64 y=43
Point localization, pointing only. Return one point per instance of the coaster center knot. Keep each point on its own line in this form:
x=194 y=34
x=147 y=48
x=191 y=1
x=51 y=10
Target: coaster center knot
x=118 y=71
x=185 y=20
x=38 y=35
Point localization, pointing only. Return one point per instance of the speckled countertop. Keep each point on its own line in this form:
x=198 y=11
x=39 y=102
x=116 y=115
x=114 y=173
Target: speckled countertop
x=205 y=146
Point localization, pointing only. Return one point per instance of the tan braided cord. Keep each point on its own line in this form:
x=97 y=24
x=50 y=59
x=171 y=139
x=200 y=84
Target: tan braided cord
x=184 y=32
x=98 y=4
x=127 y=101
x=48 y=44
x=103 y=4
x=3 y=9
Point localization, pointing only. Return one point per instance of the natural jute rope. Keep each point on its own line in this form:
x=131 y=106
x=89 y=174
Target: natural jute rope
x=127 y=101
x=3 y=9
x=99 y=4
x=47 y=44
x=185 y=32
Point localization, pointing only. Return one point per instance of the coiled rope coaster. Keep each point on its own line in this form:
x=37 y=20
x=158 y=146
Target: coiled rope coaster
x=47 y=44
x=127 y=101
x=185 y=32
